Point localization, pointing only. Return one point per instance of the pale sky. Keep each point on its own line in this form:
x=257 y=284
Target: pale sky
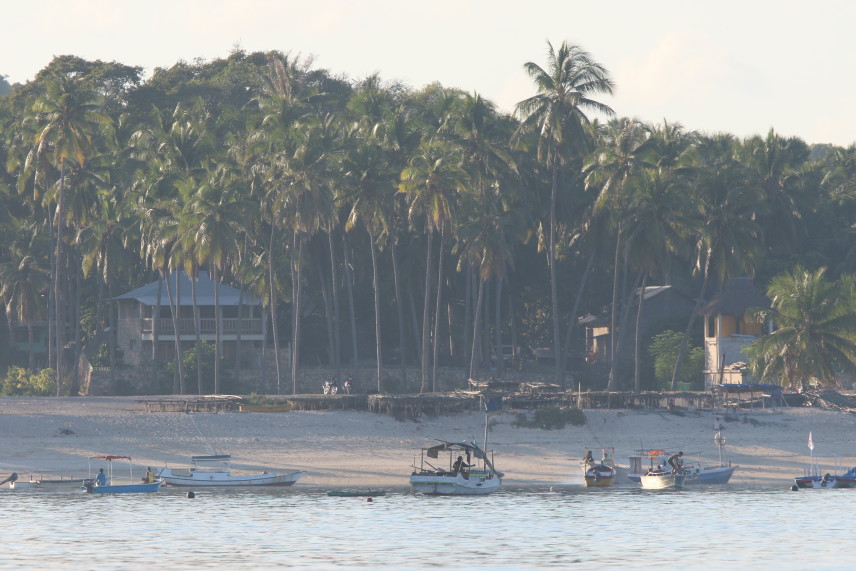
x=741 y=67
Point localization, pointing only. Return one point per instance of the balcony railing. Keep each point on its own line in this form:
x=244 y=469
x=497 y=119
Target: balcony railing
x=207 y=326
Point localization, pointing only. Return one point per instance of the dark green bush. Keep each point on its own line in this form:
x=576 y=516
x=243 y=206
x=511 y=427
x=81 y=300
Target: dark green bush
x=551 y=418
x=22 y=382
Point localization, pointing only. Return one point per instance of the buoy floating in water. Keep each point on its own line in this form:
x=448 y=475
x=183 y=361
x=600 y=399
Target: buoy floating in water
x=369 y=500
x=191 y=495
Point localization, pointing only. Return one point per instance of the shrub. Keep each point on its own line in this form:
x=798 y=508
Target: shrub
x=551 y=418
x=22 y=382
x=664 y=348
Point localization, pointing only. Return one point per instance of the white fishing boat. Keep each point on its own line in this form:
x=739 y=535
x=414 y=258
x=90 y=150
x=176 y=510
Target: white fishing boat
x=216 y=470
x=662 y=480
x=24 y=484
x=642 y=460
x=34 y=482
x=455 y=469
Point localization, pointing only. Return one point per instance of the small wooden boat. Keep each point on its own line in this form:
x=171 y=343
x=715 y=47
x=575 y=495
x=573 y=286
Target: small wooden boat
x=356 y=493
x=598 y=475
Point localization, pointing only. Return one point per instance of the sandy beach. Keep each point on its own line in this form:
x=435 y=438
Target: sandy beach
x=52 y=437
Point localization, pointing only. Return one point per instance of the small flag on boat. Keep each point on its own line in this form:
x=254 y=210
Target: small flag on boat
x=810 y=442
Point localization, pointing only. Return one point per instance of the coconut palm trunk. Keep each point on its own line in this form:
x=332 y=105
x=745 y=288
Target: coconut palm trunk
x=426 y=316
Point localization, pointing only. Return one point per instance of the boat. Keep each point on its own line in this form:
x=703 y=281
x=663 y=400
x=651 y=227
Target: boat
x=24 y=484
x=698 y=473
x=600 y=474
x=663 y=480
x=824 y=472
x=452 y=476
x=658 y=476
x=356 y=493
x=216 y=470
x=91 y=485
x=42 y=483
x=642 y=460
x=62 y=482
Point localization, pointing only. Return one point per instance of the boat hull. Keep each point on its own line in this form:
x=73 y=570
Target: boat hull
x=477 y=484
x=24 y=485
x=662 y=481
x=124 y=488
x=710 y=475
x=226 y=479
x=599 y=478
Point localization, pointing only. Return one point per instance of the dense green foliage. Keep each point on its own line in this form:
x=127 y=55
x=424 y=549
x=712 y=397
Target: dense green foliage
x=814 y=340
x=23 y=383
x=380 y=222
x=664 y=348
x=552 y=418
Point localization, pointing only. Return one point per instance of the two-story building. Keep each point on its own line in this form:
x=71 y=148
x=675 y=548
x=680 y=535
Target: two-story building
x=727 y=330
x=241 y=317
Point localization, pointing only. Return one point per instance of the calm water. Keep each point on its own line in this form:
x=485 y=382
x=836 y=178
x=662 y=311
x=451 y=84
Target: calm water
x=516 y=528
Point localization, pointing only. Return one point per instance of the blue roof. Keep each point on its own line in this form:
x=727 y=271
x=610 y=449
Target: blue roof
x=147 y=294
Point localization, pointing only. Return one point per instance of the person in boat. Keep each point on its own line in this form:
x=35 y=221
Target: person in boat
x=100 y=478
x=588 y=459
x=150 y=476
x=459 y=465
x=604 y=458
x=676 y=462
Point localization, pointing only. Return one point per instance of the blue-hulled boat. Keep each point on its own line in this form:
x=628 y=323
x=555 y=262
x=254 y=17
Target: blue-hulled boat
x=106 y=484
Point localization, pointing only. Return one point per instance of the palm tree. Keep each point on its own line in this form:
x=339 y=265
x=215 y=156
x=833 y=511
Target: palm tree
x=493 y=212
x=371 y=183
x=67 y=118
x=431 y=180
x=656 y=225
x=778 y=163
x=815 y=321
x=621 y=156
x=558 y=113
x=23 y=282
x=216 y=212
x=726 y=232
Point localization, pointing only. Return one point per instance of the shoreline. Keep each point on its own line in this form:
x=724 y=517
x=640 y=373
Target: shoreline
x=54 y=437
